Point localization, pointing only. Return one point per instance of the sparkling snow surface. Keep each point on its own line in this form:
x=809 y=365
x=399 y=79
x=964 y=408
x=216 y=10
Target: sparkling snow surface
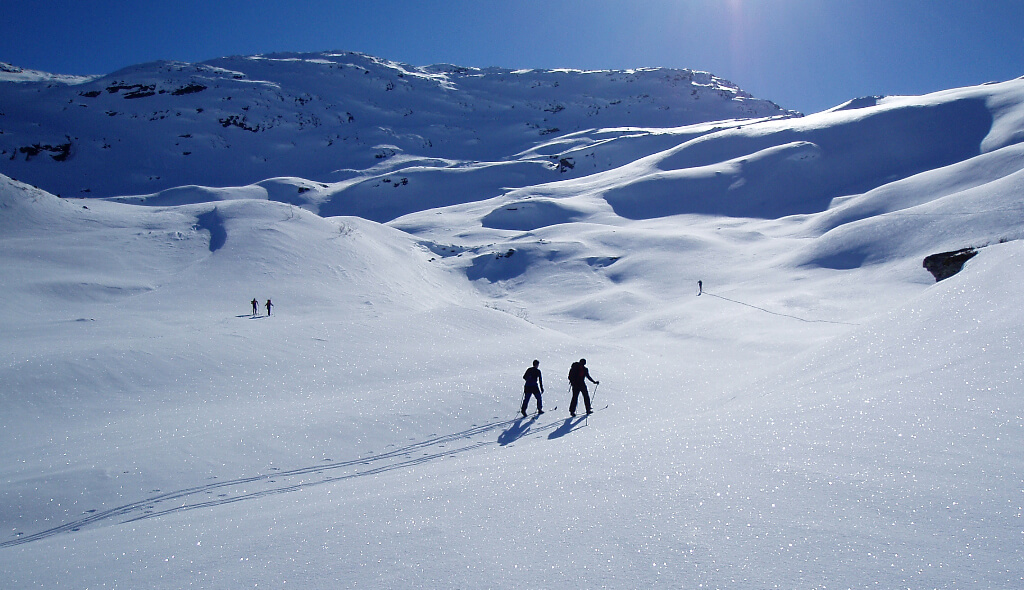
x=824 y=415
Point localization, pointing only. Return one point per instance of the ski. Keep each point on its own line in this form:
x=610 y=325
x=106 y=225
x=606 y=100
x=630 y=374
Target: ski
x=537 y=413
x=584 y=412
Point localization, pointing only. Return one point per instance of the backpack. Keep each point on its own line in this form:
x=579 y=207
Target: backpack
x=576 y=372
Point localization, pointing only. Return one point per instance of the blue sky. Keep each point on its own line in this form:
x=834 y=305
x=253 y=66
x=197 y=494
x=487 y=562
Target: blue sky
x=806 y=55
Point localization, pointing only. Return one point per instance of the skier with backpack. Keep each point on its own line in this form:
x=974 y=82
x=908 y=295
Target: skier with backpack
x=534 y=387
x=578 y=375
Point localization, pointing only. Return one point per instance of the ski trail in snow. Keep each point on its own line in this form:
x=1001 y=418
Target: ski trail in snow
x=785 y=315
x=268 y=484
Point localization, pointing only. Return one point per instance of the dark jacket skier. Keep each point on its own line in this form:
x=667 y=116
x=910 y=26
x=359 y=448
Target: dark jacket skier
x=255 y=306
x=269 y=305
x=578 y=375
x=534 y=387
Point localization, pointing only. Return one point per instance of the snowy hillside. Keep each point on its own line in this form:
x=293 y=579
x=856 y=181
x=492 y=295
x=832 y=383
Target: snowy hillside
x=325 y=117
x=823 y=414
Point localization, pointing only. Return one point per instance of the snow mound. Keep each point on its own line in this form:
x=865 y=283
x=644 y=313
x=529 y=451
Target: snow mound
x=531 y=215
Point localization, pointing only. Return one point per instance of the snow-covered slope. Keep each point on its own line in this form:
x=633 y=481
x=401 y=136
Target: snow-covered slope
x=741 y=168
x=823 y=415
x=325 y=117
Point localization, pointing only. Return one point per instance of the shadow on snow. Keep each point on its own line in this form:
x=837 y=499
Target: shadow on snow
x=280 y=482
x=568 y=426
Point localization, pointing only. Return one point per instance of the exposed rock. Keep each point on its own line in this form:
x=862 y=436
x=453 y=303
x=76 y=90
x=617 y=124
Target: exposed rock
x=189 y=89
x=946 y=264
x=59 y=153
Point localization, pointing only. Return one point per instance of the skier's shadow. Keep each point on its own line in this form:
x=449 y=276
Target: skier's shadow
x=518 y=430
x=568 y=426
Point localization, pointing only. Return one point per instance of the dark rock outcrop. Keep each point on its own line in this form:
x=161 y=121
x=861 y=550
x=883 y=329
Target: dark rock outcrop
x=946 y=264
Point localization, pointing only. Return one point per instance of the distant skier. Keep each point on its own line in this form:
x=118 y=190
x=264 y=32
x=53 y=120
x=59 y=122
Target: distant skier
x=255 y=307
x=700 y=287
x=578 y=375
x=534 y=387
x=269 y=305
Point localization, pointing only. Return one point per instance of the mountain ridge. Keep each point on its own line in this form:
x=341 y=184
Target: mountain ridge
x=322 y=116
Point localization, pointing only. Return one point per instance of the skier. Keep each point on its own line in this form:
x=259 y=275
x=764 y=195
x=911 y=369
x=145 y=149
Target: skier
x=255 y=307
x=269 y=305
x=578 y=375
x=700 y=287
x=534 y=386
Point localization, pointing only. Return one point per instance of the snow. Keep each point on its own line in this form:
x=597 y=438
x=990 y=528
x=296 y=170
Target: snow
x=326 y=117
x=823 y=415
x=12 y=73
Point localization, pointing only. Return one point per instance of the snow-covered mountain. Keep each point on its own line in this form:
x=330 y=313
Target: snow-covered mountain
x=324 y=117
x=824 y=413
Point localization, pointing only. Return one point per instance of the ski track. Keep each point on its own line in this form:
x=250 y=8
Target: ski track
x=517 y=429
x=785 y=315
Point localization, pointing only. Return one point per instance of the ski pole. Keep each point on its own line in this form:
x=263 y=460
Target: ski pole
x=593 y=400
